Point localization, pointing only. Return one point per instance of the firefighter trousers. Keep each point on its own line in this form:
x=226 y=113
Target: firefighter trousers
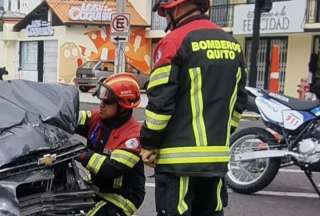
x=190 y=196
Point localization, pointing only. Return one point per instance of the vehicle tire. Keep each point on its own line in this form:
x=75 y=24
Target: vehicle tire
x=261 y=171
x=84 y=88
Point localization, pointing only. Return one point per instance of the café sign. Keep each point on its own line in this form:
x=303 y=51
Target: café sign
x=39 y=28
x=90 y=12
x=285 y=17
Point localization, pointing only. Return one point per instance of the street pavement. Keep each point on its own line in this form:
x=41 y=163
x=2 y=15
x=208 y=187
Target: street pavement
x=290 y=193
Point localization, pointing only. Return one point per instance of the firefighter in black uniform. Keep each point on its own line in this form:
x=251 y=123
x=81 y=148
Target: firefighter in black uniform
x=196 y=97
x=113 y=139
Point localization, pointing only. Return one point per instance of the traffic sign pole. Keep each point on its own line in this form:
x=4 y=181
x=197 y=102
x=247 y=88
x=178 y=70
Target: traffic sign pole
x=120 y=60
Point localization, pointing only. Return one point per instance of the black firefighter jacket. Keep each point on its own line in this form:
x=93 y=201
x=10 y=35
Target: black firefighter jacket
x=196 y=97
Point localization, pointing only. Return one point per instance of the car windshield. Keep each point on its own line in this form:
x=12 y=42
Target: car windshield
x=89 y=64
x=105 y=66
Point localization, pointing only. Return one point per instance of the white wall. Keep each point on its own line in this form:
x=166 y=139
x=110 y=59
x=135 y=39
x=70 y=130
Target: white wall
x=1 y=51
x=298 y=54
x=144 y=8
x=25 y=6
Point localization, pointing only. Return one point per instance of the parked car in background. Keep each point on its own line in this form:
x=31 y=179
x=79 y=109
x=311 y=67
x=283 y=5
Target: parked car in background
x=87 y=79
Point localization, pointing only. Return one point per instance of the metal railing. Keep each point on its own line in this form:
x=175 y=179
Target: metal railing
x=312 y=14
x=222 y=14
x=157 y=22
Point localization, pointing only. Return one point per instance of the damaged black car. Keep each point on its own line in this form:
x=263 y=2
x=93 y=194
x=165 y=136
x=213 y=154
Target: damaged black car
x=38 y=171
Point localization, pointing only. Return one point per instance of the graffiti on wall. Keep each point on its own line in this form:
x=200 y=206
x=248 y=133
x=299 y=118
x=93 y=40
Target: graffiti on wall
x=97 y=45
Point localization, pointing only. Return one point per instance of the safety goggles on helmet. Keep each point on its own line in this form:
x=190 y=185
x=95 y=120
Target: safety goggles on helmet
x=105 y=93
x=121 y=88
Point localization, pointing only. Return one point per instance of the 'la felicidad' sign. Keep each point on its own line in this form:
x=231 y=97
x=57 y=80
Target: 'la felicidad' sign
x=285 y=17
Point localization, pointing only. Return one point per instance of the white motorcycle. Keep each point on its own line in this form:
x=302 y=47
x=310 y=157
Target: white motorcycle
x=292 y=138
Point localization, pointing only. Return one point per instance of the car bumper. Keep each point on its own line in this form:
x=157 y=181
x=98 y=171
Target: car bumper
x=92 y=82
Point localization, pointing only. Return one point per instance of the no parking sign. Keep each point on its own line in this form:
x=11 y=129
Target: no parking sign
x=120 y=27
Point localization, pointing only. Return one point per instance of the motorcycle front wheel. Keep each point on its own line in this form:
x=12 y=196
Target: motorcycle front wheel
x=251 y=176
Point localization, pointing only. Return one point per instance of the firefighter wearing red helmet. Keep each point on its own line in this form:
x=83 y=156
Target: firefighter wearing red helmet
x=114 y=146
x=196 y=97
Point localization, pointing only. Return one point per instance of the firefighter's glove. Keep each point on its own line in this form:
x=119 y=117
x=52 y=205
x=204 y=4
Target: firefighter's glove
x=149 y=157
x=85 y=156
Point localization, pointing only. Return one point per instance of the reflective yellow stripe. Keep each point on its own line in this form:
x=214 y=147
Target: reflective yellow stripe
x=82 y=118
x=236 y=115
x=200 y=154
x=231 y=105
x=219 y=206
x=234 y=123
x=97 y=207
x=183 y=189
x=127 y=158
x=159 y=76
x=117 y=182
x=199 y=128
x=95 y=163
x=126 y=205
x=156 y=121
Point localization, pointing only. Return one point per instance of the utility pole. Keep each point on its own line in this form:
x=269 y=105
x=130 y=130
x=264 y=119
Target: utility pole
x=260 y=6
x=120 y=60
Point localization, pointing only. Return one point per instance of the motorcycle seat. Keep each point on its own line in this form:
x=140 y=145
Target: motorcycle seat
x=297 y=104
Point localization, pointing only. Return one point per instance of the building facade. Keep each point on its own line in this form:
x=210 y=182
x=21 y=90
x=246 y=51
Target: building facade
x=292 y=25
x=56 y=37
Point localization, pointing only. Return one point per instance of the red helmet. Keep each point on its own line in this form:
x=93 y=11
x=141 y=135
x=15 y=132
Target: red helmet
x=161 y=5
x=122 y=88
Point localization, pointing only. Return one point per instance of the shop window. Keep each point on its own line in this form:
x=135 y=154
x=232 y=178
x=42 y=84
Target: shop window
x=264 y=59
x=29 y=56
x=314 y=61
x=221 y=12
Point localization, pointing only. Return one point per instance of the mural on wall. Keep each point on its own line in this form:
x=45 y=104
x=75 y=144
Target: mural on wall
x=73 y=54
x=70 y=59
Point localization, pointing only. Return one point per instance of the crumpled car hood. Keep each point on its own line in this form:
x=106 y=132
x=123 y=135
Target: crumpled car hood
x=35 y=117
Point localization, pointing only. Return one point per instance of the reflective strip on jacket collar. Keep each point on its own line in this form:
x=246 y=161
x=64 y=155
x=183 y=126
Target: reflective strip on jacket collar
x=95 y=163
x=156 y=121
x=159 y=76
x=126 y=205
x=125 y=157
x=200 y=154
